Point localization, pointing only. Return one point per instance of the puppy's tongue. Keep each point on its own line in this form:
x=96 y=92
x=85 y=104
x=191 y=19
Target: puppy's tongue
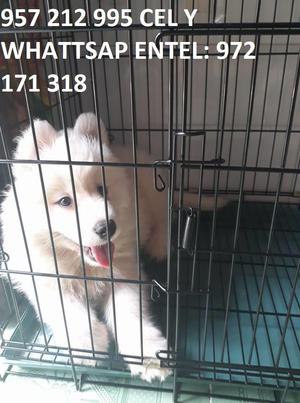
x=101 y=254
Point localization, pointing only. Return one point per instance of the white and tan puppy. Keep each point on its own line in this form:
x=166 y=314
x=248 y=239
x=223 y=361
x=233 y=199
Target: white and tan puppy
x=61 y=210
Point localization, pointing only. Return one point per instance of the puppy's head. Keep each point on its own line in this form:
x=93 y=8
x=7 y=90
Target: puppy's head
x=85 y=201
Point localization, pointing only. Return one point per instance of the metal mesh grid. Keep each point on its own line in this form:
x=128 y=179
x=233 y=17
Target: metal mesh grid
x=236 y=319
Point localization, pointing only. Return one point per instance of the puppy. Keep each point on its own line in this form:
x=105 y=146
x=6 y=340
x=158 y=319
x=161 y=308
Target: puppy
x=59 y=232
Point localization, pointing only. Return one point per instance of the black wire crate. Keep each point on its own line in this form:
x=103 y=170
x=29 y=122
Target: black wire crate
x=247 y=318
x=226 y=296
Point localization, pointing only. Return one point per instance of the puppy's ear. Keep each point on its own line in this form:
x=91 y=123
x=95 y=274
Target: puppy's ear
x=45 y=137
x=87 y=125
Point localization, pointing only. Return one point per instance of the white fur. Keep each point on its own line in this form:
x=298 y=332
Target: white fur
x=84 y=146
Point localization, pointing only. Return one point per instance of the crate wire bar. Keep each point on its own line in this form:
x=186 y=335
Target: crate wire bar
x=231 y=304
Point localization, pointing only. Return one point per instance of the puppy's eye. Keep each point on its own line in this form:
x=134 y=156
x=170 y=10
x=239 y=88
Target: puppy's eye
x=100 y=190
x=65 y=201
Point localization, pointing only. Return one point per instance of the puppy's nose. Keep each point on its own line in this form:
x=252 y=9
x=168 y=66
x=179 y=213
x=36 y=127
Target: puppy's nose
x=101 y=229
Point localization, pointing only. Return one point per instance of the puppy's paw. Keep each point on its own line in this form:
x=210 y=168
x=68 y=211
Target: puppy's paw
x=150 y=370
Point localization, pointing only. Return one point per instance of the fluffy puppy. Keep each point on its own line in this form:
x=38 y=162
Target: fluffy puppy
x=86 y=233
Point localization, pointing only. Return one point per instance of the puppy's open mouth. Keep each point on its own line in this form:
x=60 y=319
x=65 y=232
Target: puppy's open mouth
x=100 y=254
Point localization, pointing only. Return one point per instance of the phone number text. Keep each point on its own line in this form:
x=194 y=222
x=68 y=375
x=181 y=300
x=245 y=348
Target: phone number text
x=20 y=82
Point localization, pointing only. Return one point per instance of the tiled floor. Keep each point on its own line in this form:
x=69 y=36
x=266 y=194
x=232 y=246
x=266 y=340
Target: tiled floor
x=38 y=390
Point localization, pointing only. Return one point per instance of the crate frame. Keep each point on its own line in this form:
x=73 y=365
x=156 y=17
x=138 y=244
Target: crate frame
x=173 y=164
